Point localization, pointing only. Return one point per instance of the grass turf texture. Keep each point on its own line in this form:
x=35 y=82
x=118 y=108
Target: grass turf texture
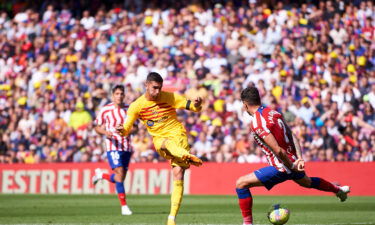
x=148 y=209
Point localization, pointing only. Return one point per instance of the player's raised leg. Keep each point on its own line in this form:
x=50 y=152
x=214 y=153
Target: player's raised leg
x=99 y=175
x=245 y=199
x=323 y=185
x=180 y=152
x=177 y=193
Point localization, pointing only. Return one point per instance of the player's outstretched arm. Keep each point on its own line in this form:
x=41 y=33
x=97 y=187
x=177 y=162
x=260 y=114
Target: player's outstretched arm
x=180 y=102
x=131 y=117
x=280 y=152
x=300 y=163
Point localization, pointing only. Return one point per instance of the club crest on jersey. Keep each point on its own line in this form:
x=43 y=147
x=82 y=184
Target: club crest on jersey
x=150 y=123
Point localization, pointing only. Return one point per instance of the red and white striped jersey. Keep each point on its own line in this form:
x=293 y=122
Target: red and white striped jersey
x=266 y=121
x=110 y=117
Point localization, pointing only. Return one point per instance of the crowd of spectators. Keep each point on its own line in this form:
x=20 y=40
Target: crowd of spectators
x=312 y=60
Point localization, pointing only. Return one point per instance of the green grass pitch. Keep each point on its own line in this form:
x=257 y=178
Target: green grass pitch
x=196 y=209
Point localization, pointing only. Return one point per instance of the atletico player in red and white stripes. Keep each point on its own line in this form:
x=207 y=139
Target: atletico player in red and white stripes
x=283 y=153
x=261 y=125
x=118 y=147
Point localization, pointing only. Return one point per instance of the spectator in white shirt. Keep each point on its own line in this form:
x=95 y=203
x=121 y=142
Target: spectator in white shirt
x=203 y=146
x=338 y=34
x=87 y=21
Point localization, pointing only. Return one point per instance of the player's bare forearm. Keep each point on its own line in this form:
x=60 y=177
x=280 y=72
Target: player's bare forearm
x=280 y=153
x=100 y=130
x=297 y=146
x=299 y=164
x=284 y=157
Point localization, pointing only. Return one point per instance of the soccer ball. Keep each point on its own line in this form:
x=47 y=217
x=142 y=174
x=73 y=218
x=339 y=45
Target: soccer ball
x=278 y=214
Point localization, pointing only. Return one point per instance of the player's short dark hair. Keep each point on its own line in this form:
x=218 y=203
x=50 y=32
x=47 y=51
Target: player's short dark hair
x=154 y=76
x=118 y=87
x=251 y=96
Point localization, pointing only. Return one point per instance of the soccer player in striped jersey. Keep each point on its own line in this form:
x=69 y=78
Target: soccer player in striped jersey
x=283 y=153
x=118 y=147
x=157 y=111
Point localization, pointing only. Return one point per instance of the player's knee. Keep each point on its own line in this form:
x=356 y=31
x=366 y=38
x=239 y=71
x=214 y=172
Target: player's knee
x=120 y=176
x=241 y=182
x=304 y=183
x=178 y=173
x=164 y=144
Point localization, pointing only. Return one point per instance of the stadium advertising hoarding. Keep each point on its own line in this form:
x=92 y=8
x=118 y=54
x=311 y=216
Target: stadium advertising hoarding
x=151 y=178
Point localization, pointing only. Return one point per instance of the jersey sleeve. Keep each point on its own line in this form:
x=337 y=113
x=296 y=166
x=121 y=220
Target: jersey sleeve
x=180 y=102
x=260 y=126
x=131 y=116
x=99 y=120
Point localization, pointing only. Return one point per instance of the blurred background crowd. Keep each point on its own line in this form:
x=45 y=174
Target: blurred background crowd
x=311 y=60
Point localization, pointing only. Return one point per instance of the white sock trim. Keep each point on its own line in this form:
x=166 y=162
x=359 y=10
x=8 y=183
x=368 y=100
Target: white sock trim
x=171 y=217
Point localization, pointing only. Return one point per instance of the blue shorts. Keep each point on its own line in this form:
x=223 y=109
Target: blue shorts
x=270 y=176
x=119 y=159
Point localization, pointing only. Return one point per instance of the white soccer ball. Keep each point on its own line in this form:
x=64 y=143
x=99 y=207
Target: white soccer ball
x=278 y=214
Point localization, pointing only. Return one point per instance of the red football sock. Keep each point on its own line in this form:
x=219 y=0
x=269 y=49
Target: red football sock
x=109 y=177
x=323 y=185
x=328 y=186
x=246 y=206
x=122 y=198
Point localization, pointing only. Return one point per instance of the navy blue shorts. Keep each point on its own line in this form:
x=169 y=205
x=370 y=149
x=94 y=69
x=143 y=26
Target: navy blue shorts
x=270 y=176
x=119 y=159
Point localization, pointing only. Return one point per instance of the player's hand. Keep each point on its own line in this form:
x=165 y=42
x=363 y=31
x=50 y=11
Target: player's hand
x=198 y=102
x=120 y=129
x=109 y=134
x=299 y=165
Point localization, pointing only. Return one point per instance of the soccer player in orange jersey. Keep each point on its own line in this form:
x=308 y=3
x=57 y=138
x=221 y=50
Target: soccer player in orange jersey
x=157 y=111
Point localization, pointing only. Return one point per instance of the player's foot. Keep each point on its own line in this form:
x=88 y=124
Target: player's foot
x=171 y=222
x=98 y=176
x=125 y=210
x=192 y=159
x=343 y=193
